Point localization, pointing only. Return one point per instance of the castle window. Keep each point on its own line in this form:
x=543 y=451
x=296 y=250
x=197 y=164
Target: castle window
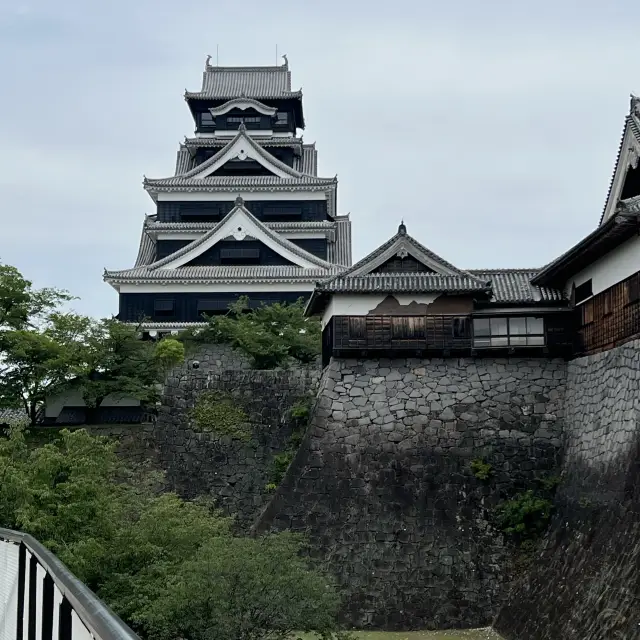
x=282 y=118
x=633 y=289
x=164 y=307
x=583 y=291
x=508 y=332
x=207 y=120
x=288 y=211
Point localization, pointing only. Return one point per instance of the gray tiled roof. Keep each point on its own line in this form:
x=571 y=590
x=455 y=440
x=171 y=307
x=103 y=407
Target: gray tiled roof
x=303 y=162
x=252 y=82
x=273 y=235
x=211 y=274
x=339 y=252
x=221 y=141
x=243 y=136
x=514 y=285
x=402 y=238
x=8 y=416
x=240 y=181
x=308 y=162
x=402 y=283
x=184 y=160
x=146 y=250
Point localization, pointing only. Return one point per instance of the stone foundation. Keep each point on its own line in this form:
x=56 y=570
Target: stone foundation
x=384 y=488
x=584 y=583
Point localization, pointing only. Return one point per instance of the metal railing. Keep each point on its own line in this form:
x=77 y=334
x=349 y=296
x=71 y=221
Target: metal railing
x=40 y=599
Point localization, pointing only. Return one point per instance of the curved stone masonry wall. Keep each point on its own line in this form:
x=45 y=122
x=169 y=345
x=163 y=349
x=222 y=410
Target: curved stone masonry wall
x=383 y=486
x=585 y=583
x=234 y=472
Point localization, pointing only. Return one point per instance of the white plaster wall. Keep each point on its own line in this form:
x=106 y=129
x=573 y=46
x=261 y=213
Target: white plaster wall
x=362 y=304
x=610 y=269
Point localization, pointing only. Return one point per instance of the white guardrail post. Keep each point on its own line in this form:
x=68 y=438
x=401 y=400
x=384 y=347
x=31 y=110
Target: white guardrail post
x=40 y=599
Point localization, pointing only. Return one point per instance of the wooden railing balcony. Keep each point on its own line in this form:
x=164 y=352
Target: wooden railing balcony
x=445 y=335
x=401 y=333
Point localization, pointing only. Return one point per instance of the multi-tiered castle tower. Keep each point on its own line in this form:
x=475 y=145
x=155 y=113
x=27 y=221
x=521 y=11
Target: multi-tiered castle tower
x=245 y=212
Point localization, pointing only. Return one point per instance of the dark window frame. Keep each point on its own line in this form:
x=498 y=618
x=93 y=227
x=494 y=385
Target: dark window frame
x=509 y=338
x=583 y=291
x=164 y=307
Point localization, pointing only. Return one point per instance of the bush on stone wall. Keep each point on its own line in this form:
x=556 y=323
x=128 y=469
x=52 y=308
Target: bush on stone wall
x=216 y=412
x=525 y=516
x=270 y=335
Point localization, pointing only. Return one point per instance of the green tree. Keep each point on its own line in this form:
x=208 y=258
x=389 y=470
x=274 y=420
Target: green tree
x=20 y=304
x=45 y=350
x=170 y=568
x=120 y=363
x=269 y=334
x=43 y=358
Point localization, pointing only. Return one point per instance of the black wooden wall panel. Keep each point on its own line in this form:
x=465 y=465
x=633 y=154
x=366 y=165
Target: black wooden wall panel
x=211 y=257
x=135 y=307
x=315 y=246
x=311 y=210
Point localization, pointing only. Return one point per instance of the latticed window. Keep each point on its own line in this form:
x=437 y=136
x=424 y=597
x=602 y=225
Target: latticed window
x=508 y=332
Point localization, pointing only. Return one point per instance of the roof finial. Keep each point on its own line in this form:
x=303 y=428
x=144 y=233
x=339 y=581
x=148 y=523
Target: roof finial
x=242 y=127
x=402 y=229
x=206 y=64
x=635 y=105
x=286 y=61
x=239 y=201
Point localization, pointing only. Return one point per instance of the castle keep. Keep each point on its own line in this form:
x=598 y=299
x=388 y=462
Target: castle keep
x=426 y=368
x=245 y=212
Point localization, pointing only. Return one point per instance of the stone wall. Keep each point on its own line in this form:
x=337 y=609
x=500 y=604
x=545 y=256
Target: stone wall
x=585 y=583
x=382 y=482
x=235 y=472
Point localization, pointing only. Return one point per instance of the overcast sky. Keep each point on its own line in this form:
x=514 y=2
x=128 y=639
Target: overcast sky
x=491 y=129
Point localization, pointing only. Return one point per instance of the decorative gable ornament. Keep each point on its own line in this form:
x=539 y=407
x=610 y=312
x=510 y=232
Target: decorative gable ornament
x=403 y=253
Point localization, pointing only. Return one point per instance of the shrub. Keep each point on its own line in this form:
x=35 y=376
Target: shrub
x=270 y=335
x=481 y=469
x=170 y=568
x=280 y=464
x=524 y=516
x=217 y=412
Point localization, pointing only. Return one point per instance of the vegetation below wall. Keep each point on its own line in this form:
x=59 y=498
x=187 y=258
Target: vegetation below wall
x=171 y=568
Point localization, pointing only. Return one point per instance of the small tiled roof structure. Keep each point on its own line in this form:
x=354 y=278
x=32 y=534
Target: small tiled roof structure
x=251 y=82
x=514 y=286
x=494 y=286
x=403 y=283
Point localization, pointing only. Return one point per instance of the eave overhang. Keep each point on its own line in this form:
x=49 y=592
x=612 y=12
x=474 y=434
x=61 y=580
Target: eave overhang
x=611 y=234
x=396 y=283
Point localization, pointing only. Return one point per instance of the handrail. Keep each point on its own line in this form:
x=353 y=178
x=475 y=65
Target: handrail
x=103 y=623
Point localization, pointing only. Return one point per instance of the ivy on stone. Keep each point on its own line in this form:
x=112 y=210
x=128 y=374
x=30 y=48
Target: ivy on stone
x=218 y=413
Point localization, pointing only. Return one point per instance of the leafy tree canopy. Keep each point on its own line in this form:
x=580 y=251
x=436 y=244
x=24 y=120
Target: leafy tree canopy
x=45 y=349
x=170 y=568
x=269 y=334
